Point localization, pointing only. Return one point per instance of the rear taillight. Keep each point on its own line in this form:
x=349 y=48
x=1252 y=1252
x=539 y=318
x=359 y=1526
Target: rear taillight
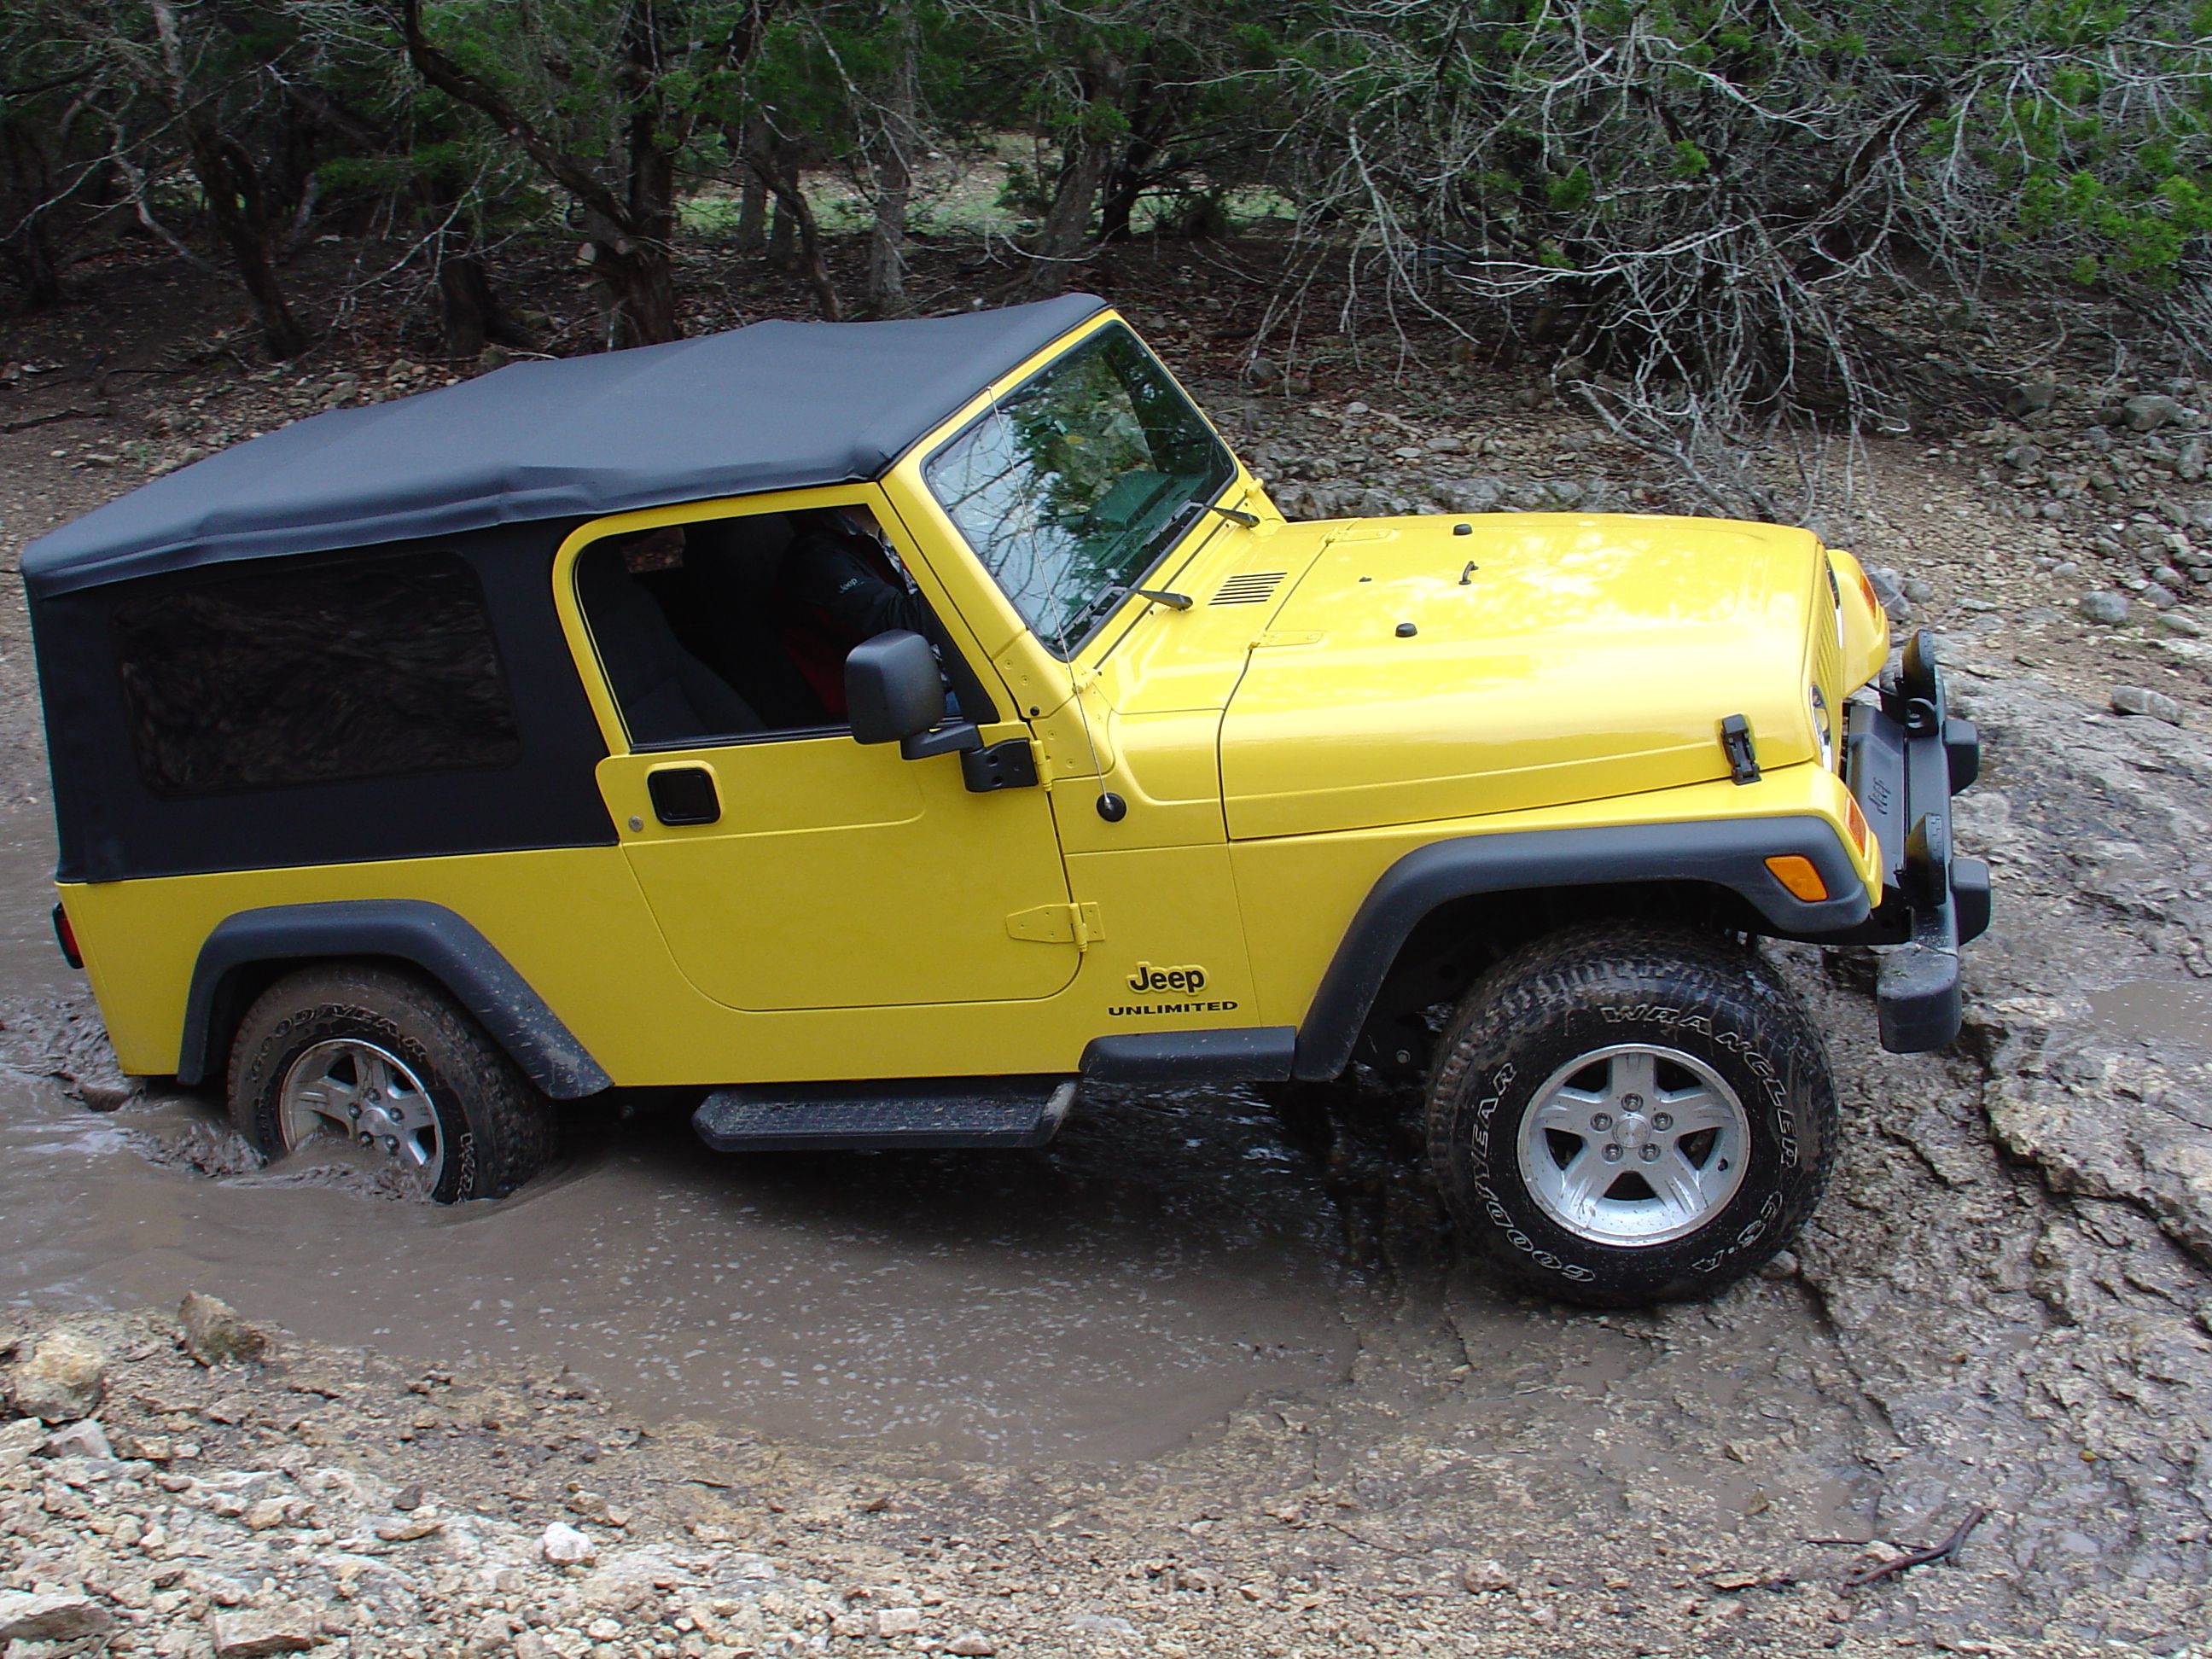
x=65 y=936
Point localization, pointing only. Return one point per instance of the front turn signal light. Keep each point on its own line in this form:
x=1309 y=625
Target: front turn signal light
x=1867 y=592
x=1854 y=821
x=1796 y=872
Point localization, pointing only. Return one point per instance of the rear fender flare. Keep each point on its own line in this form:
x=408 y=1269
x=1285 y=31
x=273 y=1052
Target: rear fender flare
x=426 y=936
x=1730 y=855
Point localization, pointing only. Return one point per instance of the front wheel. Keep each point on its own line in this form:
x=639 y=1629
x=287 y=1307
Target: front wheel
x=1624 y=1116
x=376 y=1069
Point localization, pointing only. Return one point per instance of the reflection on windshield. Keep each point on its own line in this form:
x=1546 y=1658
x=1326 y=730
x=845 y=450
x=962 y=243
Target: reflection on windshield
x=1072 y=487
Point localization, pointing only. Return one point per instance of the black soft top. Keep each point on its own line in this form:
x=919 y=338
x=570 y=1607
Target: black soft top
x=777 y=405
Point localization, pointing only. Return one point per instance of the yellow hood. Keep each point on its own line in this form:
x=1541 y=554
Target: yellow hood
x=1414 y=673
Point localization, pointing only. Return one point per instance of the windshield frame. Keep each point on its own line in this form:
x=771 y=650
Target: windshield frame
x=1179 y=524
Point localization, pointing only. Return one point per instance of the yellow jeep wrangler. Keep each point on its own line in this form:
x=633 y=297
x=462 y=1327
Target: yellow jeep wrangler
x=884 y=729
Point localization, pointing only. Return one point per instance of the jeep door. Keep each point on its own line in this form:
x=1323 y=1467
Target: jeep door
x=788 y=866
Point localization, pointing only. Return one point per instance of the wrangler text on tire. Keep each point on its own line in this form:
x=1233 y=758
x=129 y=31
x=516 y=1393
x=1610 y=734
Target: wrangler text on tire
x=1629 y=1115
x=371 y=1065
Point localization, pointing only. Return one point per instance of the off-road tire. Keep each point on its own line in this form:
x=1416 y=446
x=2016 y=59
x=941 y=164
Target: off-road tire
x=1590 y=988
x=498 y=1127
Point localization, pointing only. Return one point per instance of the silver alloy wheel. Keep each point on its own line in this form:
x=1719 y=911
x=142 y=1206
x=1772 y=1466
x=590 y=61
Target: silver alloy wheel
x=353 y=1094
x=1634 y=1145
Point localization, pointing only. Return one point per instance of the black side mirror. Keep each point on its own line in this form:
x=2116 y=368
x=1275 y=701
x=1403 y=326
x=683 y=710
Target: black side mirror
x=894 y=694
x=892 y=690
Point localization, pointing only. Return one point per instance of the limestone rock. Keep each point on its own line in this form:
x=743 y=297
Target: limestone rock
x=84 y=1439
x=2138 y=700
x=18 y=1440
x=2104 y=607
x=564 y=1546
x=1101 y=1624
x=213 y=1334
x=2150 y=411
x=258 y=1635
x=64 y=1378
x=1482 y=1577
x=51 y=1617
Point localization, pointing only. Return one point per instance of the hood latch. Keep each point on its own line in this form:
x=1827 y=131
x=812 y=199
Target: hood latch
x=1735 y=744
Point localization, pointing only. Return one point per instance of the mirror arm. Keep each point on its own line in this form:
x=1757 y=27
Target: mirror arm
x=952 y=739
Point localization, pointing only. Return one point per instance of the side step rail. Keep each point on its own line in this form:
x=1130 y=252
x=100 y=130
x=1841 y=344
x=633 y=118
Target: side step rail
x=928 y=1112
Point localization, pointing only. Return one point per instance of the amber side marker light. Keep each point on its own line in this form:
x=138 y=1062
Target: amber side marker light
x=1796 y=872
x=1854 y=821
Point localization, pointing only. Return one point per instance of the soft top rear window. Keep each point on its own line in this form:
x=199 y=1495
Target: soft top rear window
x=313 y=671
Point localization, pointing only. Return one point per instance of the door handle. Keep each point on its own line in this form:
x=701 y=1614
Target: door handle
x=684 y=795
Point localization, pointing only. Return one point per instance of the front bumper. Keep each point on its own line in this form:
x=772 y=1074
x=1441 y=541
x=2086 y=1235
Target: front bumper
x=1904 y=760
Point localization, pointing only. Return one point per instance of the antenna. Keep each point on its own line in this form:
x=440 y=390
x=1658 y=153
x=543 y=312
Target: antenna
x=1111 y=806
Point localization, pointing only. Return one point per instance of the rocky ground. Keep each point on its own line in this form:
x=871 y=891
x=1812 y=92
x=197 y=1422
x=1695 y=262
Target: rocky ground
x=2005 y=1305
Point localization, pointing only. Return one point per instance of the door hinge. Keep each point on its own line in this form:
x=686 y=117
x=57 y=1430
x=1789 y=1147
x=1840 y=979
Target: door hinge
x=1058 y=924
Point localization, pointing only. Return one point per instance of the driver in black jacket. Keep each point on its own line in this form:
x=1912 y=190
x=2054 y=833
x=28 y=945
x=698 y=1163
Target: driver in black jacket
x=838 y=586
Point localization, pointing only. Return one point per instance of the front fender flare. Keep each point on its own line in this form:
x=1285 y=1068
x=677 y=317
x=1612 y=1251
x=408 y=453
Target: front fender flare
x=1730 y=854
x=427 y=936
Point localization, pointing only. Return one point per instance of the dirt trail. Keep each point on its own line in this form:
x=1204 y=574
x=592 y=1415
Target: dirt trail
x=1185 y=1382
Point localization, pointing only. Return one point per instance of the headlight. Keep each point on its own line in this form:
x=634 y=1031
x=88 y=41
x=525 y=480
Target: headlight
x=1824 y=729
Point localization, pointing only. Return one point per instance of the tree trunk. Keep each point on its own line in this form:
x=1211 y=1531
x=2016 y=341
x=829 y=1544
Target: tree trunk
x=637 y=287
x=233 y=193
x=752 y=193
x=27 y=255
x=1066 y=235
x=1153 y=116
x=629 y=246
x=895 y=176
x=779 y=175
x=27 y=251
x=1122 y=191
x=792 y=208
x=471 y=314
x=632 y=257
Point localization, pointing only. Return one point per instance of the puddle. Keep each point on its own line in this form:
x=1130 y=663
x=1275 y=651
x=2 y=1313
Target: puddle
x=1102 y=1299
x=2158 y=1010
x=999 y=1305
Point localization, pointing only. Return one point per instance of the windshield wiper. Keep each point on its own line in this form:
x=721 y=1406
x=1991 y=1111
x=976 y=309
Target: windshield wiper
x=1186 y=515
x=1167 y=597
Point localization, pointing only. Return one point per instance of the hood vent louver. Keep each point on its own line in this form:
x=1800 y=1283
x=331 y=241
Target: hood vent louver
x=1251 y=587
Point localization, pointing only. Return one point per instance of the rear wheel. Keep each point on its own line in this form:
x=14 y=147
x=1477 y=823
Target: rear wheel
x=1621 y=1116
x=374 y=1068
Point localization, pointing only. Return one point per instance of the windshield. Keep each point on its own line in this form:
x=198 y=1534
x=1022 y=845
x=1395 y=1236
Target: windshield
x=1073 y=486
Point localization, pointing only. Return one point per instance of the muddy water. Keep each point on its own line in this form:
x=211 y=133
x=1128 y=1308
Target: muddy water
x=1104 y=1299
x=999 y=1305
x=2176 y=1012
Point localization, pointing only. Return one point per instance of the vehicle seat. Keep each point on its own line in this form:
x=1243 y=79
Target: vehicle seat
x=666 y=695
x=732 y=567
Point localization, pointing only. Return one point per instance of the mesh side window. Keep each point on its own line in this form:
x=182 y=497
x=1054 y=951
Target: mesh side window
x=314 y=673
